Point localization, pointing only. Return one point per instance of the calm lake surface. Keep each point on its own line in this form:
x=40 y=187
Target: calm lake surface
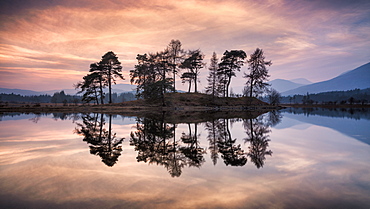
x=295 y=158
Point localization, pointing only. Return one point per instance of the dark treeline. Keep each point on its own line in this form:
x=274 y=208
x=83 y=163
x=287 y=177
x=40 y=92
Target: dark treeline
x=356 y=96
x=59 y=97
x=14 y=98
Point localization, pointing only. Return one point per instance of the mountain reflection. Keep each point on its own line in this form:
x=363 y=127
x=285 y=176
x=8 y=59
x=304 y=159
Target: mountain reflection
x=102 y=141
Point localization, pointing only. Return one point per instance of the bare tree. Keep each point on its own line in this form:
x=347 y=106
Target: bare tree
x=274 y=97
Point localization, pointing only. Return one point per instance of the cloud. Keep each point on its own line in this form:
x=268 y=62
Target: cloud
x=70 y=34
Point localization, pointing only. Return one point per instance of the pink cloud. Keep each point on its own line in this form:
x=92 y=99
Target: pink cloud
x=70 y=35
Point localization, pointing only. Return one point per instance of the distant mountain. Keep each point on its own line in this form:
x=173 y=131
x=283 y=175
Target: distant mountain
x=282 y=85
x=20 y=91
x=357 y=78
x=118 y=88
x=301 y=81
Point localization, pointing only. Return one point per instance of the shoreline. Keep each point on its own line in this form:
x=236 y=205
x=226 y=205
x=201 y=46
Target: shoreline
x=121 y=108
x=326 y=106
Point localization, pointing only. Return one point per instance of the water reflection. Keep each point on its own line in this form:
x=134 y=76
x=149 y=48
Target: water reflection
x=257 y=136
x=156 y=142
x=102 y=141
x=352 y=122
x=313 y=165
x=352 y=113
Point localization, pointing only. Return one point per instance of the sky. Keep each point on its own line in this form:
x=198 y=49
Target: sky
x=50 y=44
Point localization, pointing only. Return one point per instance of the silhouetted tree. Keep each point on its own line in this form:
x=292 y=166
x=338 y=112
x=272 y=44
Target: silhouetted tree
x=258 y=73
x=230 y=62
x=112 y=68
x=194 y=62
x=214 y=80
x=93 y=84
x=175 y=57
x=188 y=77
x=150 y=75
x=274 y=97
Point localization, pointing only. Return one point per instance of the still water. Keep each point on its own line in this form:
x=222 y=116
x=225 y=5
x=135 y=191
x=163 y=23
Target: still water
x=295 y=158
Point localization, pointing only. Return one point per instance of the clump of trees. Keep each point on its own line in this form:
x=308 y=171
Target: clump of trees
x=155 y=73
x=102 y=75
x=152 y=70
x=150 y=74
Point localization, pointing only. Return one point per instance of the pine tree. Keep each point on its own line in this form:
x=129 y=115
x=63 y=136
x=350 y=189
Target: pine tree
x=112 y=68
x=258 y=73
x=230 y=62
x=214 y=80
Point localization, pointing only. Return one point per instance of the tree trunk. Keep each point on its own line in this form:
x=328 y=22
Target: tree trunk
x=110 y=83
x=96 y=96
x=189 y=86
x=227 y=86
x=195 y=83
x=251 y=89
x=213 y=84
x=101 y=91
x=174 y=76
x=163 y=90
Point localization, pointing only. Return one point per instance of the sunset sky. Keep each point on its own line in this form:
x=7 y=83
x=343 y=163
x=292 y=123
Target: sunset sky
x=49 y=44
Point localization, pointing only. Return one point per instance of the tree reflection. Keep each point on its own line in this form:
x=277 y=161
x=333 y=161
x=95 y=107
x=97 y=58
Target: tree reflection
x=213 y=137
x=102 y=141
x=192 y=149
x=152 y=141
x=231 y=153
x=155 y=142
x=259 y=140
